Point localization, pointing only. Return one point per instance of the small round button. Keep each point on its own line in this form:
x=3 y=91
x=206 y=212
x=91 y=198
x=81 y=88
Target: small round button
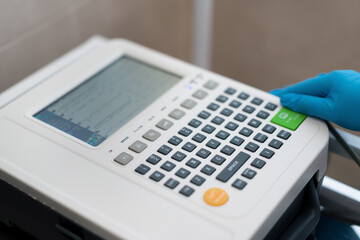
x=215 y=197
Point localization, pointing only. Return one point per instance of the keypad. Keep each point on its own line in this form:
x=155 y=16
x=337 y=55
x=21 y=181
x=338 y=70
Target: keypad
x=232 y=129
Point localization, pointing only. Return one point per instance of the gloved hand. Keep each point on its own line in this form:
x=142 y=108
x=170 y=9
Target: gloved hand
x=333 y=96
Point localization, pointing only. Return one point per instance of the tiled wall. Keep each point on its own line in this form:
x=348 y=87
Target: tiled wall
x=35 y=32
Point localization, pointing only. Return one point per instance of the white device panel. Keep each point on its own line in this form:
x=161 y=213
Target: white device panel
x=72 y=142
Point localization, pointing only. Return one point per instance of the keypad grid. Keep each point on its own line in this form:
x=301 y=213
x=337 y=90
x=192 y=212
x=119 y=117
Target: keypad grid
x=235 y=123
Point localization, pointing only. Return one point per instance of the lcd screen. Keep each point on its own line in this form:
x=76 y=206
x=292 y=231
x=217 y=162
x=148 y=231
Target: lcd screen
x=103 y=103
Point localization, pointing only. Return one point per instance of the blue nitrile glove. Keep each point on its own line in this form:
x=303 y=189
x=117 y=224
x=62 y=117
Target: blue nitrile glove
x=333 y=96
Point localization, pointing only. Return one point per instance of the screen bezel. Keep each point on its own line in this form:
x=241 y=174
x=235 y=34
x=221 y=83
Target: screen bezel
x=152 y=58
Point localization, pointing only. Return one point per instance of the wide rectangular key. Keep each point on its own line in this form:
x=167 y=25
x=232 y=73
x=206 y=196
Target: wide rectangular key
x=233 y=167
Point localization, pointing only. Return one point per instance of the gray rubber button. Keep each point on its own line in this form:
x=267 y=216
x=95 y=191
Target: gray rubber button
x=164 y=124
x=211 y=84
x=123 y=158
x=188 y=103
x=138 y=146
x=200 y=94
x=151 y=135
x=176 y=114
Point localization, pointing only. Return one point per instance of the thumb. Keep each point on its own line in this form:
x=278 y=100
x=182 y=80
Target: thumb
x=308 y=105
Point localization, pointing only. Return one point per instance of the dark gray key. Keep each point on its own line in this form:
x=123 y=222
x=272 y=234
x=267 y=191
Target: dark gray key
x=239 y=184
x=226 y=112
x=233 y=167
x=208 y=170
x=194 y=123
x=185 y=131
x=258 y=163
x=168 y=166
x=157 y=176
x=222 y=135
x=204 y=115
x=248 y=109
x=153 y=159
x=212 y=143
x=252 y=147
x=240 y=117
x=164 y=149
x=142 y=169
x=203 y=153
x=231 y=126
x=189 y=147
x=243 y=96
x=227 y=150
x=230 y=91
x=198 y=138
x=271 y=106
x=267 y=153
x=218 y=160
x=246 y=131
x=275 y=144
x=257 y=101
x=182 y=173
x=284 y=134
x=254 y=123
x=217 y=120
x=171 y=183
x=208 y=128
x=222 y=98
x=174 y=140
x=187 y=191
x=237 y=141
x=249 y=173
x=193 y=163
x=235 y=104
x=269 y=128
x=178 y=156
x=262 y=114
x=260 y=137
x=197 y=180
x=213 y=106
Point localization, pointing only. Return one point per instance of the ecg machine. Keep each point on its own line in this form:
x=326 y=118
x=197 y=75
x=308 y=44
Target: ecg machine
x=128 y=143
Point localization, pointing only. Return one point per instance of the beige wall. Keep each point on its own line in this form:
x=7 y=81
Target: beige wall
x=269 y=44
x=34 y=32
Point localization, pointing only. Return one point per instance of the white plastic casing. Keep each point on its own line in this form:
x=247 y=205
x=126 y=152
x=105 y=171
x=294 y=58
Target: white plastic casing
x=85 y=184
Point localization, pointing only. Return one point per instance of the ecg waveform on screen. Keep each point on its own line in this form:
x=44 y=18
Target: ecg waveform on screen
x=112 y=97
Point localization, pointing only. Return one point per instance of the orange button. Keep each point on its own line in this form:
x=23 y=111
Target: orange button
x=216 y=197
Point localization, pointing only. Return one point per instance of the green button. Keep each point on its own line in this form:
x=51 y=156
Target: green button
x=289 y=119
